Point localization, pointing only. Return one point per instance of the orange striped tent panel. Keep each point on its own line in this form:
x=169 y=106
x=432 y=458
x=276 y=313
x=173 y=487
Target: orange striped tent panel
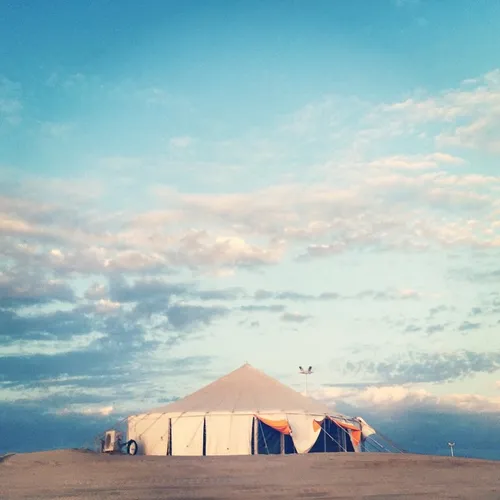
x=355 y=432
x=278 y=425
x=317 y=424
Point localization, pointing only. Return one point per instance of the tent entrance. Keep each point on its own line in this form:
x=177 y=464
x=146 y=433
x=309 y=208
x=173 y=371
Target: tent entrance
x=268 y=441
x=332 y=439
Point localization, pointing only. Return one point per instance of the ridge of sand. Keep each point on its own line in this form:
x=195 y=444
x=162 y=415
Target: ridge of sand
x=83 y=474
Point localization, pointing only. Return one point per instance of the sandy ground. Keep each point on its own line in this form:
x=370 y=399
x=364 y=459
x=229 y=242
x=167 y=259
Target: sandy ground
x=73 y=474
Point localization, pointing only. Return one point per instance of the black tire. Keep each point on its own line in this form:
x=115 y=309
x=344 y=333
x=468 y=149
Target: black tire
x=132 y=447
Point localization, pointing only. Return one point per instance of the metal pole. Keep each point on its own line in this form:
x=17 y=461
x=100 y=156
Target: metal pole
x=451 y=445
x=306 y=373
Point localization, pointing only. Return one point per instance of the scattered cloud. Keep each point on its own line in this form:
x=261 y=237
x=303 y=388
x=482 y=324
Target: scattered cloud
x=417 y=162
x=93 y=298
x=412 y=328
x=403 y=294
x=470 y=115
x=437 y=310
x=25 y=290
x=45 y=325
x=188 y=317
x=467 y=326
x=407 y=397
x=427 y=366
x=288 y=295
x=96 y=291
x=263 y=308
x=436 y=328
x=86 y=410
x=294 y=317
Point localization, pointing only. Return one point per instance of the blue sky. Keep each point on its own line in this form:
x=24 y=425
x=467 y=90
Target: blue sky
x=186 y=186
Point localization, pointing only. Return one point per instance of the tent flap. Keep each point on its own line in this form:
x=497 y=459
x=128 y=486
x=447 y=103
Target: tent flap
x=277 y=422
x=353 y=431
x=304 y=431
x=366 y=430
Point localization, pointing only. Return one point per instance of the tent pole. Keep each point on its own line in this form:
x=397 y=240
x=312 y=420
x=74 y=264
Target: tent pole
x=169 y=443
x=335 y=441
x=255 y=436
x=324 y=436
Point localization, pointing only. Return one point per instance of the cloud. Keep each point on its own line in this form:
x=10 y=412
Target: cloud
x=106 y=334
x=17 y=290
x=196 y=250
x=427 y=366
x=422 y=422
x=399 y=397
x=98 y=295
x=416 y=162
x=403 y=294
x=434 y=311
x=87 y=410
x=40 y=326
x=224 y=294
x=142 y=290
x=96 y=291
x=294 y=317
x=491 y=275
x=436 y=328
x=294 y=296
x=471 y=115
x=263 y=308
x=73 y=408
x=187 y=317
x=289 y=295
x=259 y=228
x=92 y=376
x=412 y=329
x=467 y=326
x=482 y=132
x=101 y=306
x=21 y=425
x=25 y=370
x=475 y=311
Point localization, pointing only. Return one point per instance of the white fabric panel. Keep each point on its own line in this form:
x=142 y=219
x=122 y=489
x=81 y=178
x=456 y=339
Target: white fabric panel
x=150 y=431
x=303 y=434
x=187 y=436
x=366 y=430
x=229 y=434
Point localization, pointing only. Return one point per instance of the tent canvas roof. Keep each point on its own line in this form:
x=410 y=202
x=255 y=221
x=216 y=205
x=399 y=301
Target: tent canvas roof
x=246 y=390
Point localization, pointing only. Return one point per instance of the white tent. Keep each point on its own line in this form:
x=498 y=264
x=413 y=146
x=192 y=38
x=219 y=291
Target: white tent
x=243 y=413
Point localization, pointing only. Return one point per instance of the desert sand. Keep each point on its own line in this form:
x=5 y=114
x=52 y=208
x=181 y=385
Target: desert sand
x=79 y=474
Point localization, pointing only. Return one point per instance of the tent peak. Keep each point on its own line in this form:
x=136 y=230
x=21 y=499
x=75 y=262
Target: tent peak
x=246 y=389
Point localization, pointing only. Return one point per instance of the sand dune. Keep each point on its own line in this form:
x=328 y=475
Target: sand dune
x=74 y=474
